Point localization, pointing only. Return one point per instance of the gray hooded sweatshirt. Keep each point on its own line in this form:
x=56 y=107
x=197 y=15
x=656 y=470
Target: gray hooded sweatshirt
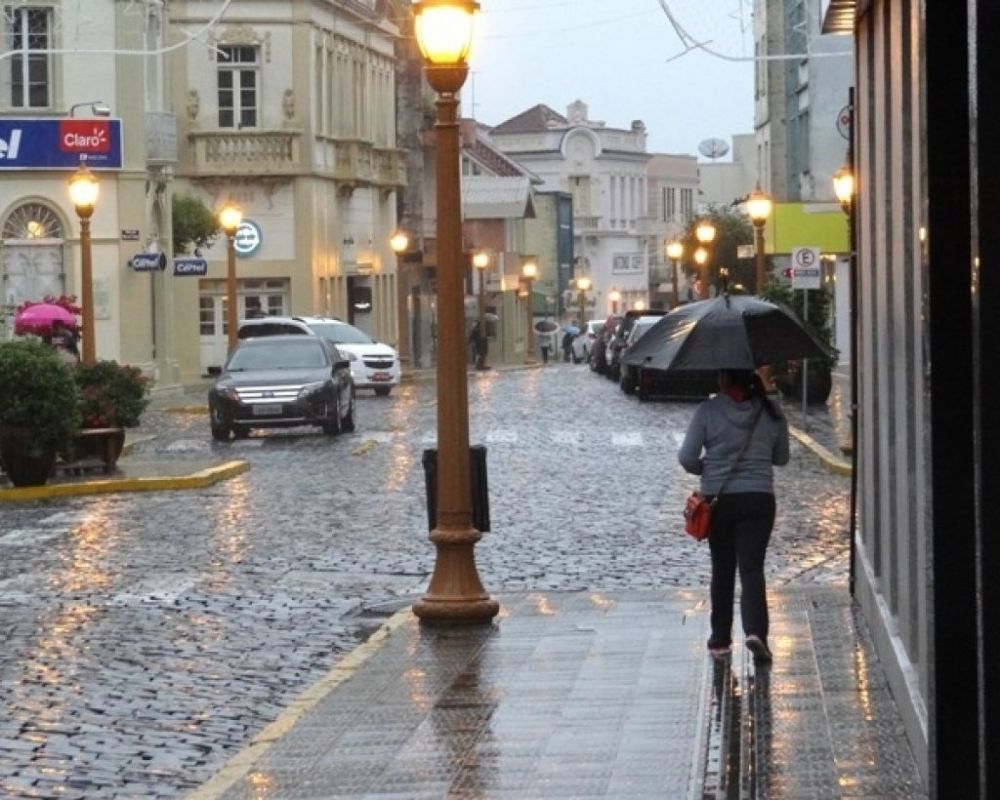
x=718 y=430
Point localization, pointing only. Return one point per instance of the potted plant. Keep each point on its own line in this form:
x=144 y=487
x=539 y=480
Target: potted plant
x=819 y=371
x=112 y=397
x=39 y=410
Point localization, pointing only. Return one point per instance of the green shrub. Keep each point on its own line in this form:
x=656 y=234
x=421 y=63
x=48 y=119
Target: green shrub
x=112 y=395
x=38 y=396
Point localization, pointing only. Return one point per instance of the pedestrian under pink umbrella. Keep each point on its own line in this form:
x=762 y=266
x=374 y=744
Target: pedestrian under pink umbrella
x=38 y=318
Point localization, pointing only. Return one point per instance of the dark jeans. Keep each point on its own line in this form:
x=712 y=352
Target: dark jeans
x=741 y=528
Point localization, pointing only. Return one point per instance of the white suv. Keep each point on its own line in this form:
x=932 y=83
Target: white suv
x=373 y=365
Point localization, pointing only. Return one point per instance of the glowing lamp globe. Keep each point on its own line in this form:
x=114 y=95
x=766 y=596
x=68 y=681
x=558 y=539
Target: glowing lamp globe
x=230 y=218
x=83 y=191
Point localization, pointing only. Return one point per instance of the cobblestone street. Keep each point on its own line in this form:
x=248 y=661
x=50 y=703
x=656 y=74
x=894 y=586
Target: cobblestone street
x=147 y=637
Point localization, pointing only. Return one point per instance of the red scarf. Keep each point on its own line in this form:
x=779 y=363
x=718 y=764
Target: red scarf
x=737 y=393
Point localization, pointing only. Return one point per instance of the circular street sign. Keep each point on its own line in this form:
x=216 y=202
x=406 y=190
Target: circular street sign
x=844 y=122
x=247 y=240
x=805 y=257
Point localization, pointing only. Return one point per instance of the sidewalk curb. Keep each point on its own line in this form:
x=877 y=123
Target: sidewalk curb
x=196 y=480
x=240 y=764
x=838 y=466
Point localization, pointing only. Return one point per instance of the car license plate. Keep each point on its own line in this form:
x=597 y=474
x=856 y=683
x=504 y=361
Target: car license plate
x=382 y=376
x=268 y=410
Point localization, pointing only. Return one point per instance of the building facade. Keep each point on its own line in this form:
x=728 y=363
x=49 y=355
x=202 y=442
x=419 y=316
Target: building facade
x=927 y=553
x=604 y=171
x=727 y=183
x=86 y=83
x=673 y=192
x=288 y=111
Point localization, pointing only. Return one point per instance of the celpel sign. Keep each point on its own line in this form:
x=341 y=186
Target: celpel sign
x=60 y=143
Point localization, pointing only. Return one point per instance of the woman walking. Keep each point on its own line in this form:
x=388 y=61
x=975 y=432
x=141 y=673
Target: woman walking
x=733 y=442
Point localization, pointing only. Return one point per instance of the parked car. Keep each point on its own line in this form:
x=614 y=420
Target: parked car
x=628 y=378
x=597 y=359
x=617 y=342
x=373 y=365
x=282 y=381
x=584 y=341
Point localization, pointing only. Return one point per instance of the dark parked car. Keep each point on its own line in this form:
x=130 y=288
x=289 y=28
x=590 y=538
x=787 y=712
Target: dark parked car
x=597 y=359
x=619 y=340
x=282 y=381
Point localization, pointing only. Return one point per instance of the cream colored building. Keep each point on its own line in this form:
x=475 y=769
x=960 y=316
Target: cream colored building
x=287 y=109
x=102 y=99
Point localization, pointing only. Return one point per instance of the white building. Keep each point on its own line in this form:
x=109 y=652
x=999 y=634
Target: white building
x=604 y=170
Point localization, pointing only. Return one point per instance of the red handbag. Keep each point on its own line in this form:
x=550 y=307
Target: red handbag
x=697 y=516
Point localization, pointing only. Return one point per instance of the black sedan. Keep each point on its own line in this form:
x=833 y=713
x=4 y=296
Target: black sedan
x=279 y=382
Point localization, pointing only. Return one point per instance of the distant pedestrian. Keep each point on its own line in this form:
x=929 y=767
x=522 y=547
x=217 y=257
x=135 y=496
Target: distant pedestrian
x=734 y=440
x=567 y=346
x=480 y=346
x=545 y=344
x=63 y=340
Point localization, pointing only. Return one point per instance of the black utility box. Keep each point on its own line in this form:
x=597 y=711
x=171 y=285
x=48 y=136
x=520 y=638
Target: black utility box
x=477 y=484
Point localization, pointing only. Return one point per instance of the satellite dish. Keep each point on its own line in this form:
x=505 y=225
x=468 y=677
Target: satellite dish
x=713 y=148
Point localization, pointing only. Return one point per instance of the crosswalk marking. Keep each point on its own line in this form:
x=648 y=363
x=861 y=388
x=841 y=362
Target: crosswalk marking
x=630 y=439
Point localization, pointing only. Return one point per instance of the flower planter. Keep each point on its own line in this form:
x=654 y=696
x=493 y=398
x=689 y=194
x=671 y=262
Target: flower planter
x=23 y=466
x=98 y=446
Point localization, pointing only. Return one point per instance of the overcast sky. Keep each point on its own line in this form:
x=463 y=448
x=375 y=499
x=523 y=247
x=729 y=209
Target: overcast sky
x=613 y=55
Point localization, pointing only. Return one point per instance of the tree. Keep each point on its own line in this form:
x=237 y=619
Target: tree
x=731 y=229
x=194 y=223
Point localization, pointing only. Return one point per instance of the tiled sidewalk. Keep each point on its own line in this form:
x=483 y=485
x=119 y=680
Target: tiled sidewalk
x=592 y=695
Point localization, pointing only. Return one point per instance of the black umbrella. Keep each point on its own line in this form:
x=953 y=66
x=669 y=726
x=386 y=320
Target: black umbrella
x=726 y=332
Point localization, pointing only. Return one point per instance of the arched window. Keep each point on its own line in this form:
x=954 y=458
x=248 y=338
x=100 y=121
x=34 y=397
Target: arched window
x=32 y=221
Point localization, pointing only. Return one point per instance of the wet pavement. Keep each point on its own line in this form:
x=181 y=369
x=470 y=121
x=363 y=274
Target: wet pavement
x=573 y=695
x=148 y=637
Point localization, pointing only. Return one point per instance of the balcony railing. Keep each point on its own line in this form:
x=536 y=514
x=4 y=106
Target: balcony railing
x=585 y=224
x=362 y=163
x=255 y=152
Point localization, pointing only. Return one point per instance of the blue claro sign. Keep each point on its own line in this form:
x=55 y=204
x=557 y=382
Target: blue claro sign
x=60 y=143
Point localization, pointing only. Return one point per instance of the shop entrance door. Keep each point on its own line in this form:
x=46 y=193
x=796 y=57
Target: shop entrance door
x=254 y=298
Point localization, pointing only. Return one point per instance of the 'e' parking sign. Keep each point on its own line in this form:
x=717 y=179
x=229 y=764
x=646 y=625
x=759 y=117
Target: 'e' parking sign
x=247 y=240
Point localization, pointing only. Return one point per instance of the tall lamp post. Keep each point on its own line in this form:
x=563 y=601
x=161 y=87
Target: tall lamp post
x=845 y=189
x=701 y=259
x=481 y=260
x=529 y=272
x=583 y=285
x=615 y=297
x=705 y=233
x=230 y=218
x=83 y=191
x=444 y=32
x=759 y=207
x=674 y=252
x=400 y=243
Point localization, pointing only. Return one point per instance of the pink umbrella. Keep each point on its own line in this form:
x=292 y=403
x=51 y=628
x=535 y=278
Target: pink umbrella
x=38 y=318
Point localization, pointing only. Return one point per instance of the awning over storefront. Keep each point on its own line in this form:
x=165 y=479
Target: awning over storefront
x=496 y=197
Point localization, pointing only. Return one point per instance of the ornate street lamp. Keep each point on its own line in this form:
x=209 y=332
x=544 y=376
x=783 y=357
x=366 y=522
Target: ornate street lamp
x=615 y=297
x=83 y=192
x=639 y=305
x=705 y=234
x=529 y=272
x=400 y=243
x=674 y=252
x=481 y=260
x=230 y=219
x=759 y=207
x=583 y=284
x=444 y=31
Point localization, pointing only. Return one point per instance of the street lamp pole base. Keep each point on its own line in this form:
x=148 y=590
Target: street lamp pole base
x=456 y=595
